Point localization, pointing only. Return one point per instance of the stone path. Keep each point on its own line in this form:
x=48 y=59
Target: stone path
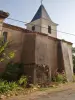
x=66 y=92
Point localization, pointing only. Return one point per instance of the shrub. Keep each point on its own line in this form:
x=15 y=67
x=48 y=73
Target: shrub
x=7 y=86
x=4 y=86
x=23 y=81
x=13 y=85
x=13 y=71
x=60 y=77
x=73 y=77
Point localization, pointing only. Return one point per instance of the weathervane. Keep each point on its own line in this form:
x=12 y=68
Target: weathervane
x=41 y=2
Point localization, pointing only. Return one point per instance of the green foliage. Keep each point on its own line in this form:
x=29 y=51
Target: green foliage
x=13 y=71
x=7 y=86
x=13 y=85
x=4 y=87
x=5 y=53
x=73 y=77
x=73 y=50
x=60 y=77
x=73 y=56
x=23 y=81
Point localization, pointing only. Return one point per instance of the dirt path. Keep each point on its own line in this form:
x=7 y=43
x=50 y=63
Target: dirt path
x=63 y=92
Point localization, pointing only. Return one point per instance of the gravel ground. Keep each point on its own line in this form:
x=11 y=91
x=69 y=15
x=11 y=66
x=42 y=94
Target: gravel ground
x=63 y=92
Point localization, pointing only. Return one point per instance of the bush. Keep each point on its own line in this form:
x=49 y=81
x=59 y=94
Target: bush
x=13 y=85
x=7 y=86
x=13 y=72
x=60 y=77
x=23 y=81
x=4 y=86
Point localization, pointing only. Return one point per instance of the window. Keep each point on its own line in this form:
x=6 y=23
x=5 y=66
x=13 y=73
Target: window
x=49 y=29
x=5 y=36
x=33 y=28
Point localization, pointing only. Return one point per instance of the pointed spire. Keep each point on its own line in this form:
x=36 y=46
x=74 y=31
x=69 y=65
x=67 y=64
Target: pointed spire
x=41 y=13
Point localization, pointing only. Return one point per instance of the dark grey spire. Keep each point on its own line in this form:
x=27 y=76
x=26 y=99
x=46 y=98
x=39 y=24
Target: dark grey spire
x=41 y=13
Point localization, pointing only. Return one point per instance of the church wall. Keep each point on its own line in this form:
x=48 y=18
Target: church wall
x=46 y=52
x=28 y=57
x=45 y=24
x=44 y=27
x=28 y=52
x=67 y=59
x=60 y=57
x=70 y=56
x=34 y=49
x=53 y=55
x=36 y=24
x=15 y=38
x=41 y=56
x=42 y=19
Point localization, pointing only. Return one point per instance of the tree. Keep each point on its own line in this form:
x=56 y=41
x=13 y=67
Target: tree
x=5 y=53
x=73 y=55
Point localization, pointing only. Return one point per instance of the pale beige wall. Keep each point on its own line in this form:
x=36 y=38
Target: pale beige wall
x=41 y=51
x=45 y=24
x=37 y=25
x=44 y=27
x=46 y=52
x=28 y=52
x=70 y=56
x=15 y=37
x=67 y=59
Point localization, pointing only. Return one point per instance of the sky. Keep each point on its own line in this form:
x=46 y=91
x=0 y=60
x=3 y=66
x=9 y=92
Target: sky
x=61 y=12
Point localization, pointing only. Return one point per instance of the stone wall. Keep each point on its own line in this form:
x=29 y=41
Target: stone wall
x=28 y=50
x=46 y=52
x=37 y=49
x=67 y=60
x=15 y=37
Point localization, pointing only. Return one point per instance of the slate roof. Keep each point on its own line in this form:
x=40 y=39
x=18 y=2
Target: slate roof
x=41 y=13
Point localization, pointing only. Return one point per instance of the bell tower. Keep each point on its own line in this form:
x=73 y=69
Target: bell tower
x=41 y=22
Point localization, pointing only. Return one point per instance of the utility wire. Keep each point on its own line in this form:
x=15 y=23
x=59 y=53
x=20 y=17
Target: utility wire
x=40 y=26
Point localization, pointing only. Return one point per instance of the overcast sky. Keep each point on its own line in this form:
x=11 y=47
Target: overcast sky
x=61 y=12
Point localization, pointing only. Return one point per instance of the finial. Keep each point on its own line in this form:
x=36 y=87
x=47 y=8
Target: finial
x=41 y=2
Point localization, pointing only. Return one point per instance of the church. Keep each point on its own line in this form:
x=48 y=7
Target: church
x=38 y=47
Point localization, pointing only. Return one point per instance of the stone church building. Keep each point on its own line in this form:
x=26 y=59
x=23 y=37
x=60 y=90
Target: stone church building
x=38 y=47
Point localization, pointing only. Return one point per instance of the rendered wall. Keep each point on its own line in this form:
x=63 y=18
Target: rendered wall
x=28 y=50
x=60 y=57
x=45 y=23
x=34 y=49
x=15 y=37
x=46 y=52
x=37 y=25
x=41 y=25
x=67 y=60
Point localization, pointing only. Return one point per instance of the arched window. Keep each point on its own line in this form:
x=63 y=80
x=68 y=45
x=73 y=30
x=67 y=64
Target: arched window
x=5 y=36
x=49 y=29
x=33 y=28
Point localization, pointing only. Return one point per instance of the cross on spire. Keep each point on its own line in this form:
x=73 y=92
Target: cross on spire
x=41 y=2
